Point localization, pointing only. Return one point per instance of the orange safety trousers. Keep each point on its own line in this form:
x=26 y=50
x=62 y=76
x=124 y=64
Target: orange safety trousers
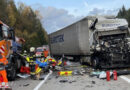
x=3 y=73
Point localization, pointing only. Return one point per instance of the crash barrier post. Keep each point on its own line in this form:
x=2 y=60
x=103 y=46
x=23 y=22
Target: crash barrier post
x=115 y=75
x=108 y=75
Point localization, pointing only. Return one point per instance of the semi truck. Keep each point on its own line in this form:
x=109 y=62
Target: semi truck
x=10 y=48
x=101 y=41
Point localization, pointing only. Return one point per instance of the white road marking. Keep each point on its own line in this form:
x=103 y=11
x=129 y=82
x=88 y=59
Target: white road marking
x=43 y=81
x=125 y=78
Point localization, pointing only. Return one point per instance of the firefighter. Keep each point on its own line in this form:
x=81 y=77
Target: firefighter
x=3 y=74
x=45 y=53
x=31 y=60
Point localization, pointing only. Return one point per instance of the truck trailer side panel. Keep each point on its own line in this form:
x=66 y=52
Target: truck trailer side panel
x=65 y=41
x=83 y=32
x=72 y=40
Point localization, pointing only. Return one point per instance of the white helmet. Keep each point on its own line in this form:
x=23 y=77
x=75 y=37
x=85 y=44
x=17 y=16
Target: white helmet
x=32 y=49
x=25 y=51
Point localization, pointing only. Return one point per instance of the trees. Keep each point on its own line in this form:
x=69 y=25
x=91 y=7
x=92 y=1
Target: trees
x=123 y=13
x=25 y=21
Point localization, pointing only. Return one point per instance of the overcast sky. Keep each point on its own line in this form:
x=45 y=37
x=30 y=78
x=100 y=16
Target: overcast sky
x=60 y=13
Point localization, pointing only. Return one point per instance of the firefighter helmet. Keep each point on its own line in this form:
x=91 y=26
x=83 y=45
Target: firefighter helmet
x=32 y=49
x=25 y=51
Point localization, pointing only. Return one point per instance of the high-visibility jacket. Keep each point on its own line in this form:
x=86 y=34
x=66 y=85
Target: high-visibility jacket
x=45 y=53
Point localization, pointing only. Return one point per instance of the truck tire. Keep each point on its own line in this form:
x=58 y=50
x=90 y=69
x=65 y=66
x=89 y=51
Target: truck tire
x=12 y=73
x=95 y=62
x=18 y=64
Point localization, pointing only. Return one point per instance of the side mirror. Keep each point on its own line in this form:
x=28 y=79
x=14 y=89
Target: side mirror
x=11 y=34
x=92 y=27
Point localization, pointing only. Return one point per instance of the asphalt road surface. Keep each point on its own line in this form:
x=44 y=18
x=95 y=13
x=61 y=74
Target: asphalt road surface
x=75 y=82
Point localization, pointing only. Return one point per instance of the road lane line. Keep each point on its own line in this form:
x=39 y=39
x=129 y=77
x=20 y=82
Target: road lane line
x=125 y=78
x=43 y=81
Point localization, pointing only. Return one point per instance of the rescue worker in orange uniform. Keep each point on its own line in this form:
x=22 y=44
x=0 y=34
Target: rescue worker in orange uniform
x=3 y=74
x=45 y=52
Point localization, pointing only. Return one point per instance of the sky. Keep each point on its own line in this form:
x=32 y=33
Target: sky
x=60 y=13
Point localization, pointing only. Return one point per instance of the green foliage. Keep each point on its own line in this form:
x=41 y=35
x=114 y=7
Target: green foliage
x=25 y=21
x=123 y=13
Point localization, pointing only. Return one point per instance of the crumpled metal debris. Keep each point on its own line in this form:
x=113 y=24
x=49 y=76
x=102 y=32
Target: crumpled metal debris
x=103 y=75
x=26 y=85
x=23 y=75
x=93 y=82
x=64 y=81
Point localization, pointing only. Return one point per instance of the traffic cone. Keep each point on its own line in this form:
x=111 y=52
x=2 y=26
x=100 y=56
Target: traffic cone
x=115 y=75
x=108 y=75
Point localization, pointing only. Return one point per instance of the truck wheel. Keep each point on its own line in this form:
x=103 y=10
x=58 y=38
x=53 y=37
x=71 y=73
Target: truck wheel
x=95 y=62
x=12 y=74
x=18 y=64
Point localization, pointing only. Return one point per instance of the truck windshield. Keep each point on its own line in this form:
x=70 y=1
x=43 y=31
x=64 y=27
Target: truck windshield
x=5 y=31
x=39 y=50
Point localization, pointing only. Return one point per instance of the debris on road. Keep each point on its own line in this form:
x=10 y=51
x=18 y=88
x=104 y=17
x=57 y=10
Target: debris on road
x=97 y=73
x=65 y=73
x=63 y=81
x=72 y=81
x=69 y=81
x=23 y=75
x=26 y=85
x=93 y=82
x=103 y=75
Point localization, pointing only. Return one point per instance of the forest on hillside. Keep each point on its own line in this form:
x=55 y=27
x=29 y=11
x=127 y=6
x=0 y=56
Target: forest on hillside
x=25 y=21
x=124 y=13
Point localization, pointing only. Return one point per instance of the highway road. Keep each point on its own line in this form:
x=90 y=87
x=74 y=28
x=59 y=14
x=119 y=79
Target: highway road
x=75 y=82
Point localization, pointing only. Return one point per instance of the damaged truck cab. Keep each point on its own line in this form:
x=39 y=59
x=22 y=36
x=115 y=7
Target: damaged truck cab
x=110 y=42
